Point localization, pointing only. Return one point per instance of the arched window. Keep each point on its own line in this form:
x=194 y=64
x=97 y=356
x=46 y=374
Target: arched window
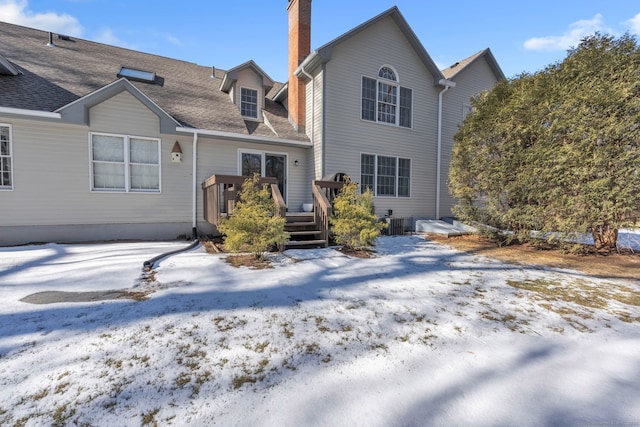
x=384 y=101
x=386 y=72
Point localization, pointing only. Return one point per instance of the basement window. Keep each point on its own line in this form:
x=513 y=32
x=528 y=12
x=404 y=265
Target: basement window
x=137 y=75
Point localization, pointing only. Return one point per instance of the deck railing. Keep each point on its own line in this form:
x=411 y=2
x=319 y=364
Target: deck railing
x=323 y=194
x=221 y=192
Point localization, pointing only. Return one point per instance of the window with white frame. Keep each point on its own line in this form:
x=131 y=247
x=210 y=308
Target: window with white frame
x=249 y=103
x=6 y=154
x=385 y=101
x=385 y=176
x=124 y=163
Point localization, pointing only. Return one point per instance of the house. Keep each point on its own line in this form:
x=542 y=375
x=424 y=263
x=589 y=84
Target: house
x=104 y=143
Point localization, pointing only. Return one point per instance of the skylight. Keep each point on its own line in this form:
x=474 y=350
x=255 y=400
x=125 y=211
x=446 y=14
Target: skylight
x=139 y=75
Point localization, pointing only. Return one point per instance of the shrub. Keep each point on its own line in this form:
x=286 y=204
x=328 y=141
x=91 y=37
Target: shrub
x=353 y=222
x=254 y=225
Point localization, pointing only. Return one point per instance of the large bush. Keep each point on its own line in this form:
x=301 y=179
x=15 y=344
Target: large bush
x=353 y=221
x=558 y=150
x=254 y=226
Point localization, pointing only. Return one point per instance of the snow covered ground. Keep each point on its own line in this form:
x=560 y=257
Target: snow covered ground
x=419 y=335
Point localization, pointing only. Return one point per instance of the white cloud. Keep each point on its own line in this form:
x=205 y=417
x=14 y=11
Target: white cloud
x=107 y=36
x=571 y=37
x=174 y=40
x=17 y=12
x=634 y=24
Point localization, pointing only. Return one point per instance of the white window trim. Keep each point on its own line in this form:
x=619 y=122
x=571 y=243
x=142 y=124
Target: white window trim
x=263 y=154
x=127 y=165
x=258 y=103
x=398 y=86
x=375 y=175
x=11 y=175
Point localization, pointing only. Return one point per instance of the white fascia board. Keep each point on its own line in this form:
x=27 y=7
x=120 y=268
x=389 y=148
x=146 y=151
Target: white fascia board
x=30 y=113
x=248 y=138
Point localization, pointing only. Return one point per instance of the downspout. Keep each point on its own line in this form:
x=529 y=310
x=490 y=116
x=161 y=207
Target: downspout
x=324 y=118
x=313 y=105
x=194 y=227
x=447 y=84
x=313 y=98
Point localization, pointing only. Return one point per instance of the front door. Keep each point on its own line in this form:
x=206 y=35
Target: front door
x=275 y=166
x=267 y=165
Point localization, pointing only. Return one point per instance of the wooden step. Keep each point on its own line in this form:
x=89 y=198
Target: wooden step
x=305 y=233
x=299 y=224
x=306 y=243
x=300 y=217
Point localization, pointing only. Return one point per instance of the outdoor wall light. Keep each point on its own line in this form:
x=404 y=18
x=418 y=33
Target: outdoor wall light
x=296 y=163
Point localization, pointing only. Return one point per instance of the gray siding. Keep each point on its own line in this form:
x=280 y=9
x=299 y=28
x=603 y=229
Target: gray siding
x=347 y=136
x=52 y=198
x=474 y=79
x=220 y=157
x=314 y=124
x=248 y=79
x=53 y=183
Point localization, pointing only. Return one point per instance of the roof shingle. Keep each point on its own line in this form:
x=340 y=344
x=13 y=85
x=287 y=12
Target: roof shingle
x=56 y=76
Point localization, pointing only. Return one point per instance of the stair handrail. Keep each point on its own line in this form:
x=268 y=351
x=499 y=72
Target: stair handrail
x=322 y=208
x=281 y=206
x=221 y=191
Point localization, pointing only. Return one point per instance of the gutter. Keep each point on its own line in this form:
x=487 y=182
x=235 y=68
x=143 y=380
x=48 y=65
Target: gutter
x=30 y=113
x=242 y=137
x=447 y=84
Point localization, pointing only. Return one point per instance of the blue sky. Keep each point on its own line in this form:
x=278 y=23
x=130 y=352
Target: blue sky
x=523 y=35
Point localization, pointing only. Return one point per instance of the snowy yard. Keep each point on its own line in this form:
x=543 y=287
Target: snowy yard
x=419 y=335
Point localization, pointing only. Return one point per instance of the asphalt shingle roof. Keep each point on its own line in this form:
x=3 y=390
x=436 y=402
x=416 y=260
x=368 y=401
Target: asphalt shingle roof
x=53 y=77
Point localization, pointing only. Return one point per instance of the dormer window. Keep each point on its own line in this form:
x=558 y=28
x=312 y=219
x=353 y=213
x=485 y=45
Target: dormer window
x=249 y=102
x=384 y=100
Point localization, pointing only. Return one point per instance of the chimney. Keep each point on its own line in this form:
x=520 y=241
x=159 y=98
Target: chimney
x=299 y=49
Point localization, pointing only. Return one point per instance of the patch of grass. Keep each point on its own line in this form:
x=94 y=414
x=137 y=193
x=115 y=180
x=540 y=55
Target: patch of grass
x=62 y=387
x=287 y=329
x=248 y=260
x=240 y=380
x=144 y=360
x=113 y=363
x=555 y=290
x=225 y=325
x=149 y=419
x=609 y=266
x=41 y=395
x=582 y=294
x=60 y=416
x=183 y=379
x=261 y=366
x=320 y=324
x=312 y=348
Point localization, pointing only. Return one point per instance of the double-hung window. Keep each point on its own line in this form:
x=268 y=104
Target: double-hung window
x=385 y=101
x=249 y=103
x=385 y=176
x=6 y=168
x=124 y=163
